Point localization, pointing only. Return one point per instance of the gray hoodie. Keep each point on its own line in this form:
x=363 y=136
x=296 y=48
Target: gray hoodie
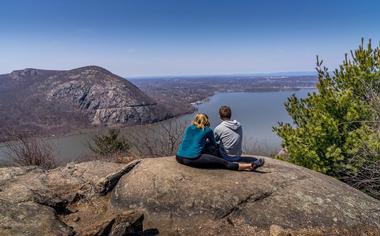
x=229 y=134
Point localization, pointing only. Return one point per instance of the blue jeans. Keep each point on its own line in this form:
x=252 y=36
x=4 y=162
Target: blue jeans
x=217 y=150
x=239 y=159
x=230 y=158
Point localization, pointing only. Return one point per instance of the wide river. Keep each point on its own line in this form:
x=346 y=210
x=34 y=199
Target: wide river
x=258 y=112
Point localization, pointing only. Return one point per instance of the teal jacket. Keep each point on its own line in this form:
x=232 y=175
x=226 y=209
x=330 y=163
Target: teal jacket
x=194 y=140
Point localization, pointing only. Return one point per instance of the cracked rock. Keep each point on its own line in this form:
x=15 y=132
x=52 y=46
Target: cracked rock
x=282 y=194
x=96 y=198
x=63 y=201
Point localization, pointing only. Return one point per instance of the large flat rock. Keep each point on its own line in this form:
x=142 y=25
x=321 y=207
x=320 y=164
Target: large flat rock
x=103 y=198
x=178 y=199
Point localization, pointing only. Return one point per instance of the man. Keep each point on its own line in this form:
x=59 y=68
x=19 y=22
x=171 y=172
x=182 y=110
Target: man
x=229 y=135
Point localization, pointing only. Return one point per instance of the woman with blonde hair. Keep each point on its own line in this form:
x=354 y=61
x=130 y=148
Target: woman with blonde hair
x=191 y=150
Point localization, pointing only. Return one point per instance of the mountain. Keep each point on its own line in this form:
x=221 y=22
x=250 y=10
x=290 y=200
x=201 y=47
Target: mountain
x=51 y=101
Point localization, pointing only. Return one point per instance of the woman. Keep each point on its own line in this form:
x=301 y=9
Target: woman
x=191 y=151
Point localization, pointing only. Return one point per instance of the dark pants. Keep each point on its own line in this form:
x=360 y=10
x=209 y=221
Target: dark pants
x=208 y=161
x=212 y=150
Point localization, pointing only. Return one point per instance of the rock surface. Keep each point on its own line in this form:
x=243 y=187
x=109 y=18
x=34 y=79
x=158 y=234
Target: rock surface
x=103 y=198
x=65 y=201
x=105 y=97
x=178 y=199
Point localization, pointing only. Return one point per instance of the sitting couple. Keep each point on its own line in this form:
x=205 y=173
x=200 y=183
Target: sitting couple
x=202 y=148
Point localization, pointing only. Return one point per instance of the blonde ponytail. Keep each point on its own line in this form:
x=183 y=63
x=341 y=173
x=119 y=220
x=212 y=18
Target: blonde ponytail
x=201 y=121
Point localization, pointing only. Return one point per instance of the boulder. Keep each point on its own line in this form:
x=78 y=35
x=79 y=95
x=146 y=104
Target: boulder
x=280 y=199
x=29 y=218
x=70 y=200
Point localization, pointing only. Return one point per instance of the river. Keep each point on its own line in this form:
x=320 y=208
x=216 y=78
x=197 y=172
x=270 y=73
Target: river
x=258 y=112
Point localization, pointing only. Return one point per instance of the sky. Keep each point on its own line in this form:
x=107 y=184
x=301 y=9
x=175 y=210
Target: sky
x=183 y=37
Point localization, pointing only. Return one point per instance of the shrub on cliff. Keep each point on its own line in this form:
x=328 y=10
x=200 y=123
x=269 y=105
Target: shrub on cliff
x=109 y=145
x=336 y=130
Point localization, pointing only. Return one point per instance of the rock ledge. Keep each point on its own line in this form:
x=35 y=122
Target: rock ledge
x=103 y=198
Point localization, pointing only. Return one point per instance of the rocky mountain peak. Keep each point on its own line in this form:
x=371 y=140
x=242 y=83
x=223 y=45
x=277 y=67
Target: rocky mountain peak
x=28 y=72
x=91 y=70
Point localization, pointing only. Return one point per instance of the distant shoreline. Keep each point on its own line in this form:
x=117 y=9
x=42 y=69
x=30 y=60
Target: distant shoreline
x=200 y=76
x=201 y=101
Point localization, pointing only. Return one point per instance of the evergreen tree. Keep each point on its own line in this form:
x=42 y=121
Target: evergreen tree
x=110 y=144
x=335 y=129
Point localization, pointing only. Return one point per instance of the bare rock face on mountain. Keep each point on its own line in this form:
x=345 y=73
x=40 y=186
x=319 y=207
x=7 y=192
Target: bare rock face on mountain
x=151 y=196
x=46 y=100
x=105 y=97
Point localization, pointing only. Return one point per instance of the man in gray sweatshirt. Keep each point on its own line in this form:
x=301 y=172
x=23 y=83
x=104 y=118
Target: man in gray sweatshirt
x=229 y=135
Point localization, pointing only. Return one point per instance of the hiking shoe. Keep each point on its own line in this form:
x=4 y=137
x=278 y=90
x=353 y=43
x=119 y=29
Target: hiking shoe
x=258 y=163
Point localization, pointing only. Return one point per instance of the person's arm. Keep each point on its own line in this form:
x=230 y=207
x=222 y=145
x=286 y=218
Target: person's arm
x=217 y=135
x=210 y=136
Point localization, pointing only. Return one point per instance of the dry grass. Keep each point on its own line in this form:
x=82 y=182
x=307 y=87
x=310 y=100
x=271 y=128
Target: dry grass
x=156 y=140
x=26 y=151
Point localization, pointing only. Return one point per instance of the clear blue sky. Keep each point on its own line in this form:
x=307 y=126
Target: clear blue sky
x=182 y=37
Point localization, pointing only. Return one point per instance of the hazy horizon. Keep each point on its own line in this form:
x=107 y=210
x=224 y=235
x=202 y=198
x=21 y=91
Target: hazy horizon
x=274 y=74
x=177 y=38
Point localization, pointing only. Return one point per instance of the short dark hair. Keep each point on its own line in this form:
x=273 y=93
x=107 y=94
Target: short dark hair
x=225 y=112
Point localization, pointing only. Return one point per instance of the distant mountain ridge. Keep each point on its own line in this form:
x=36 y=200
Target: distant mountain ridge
x=40 y=101
x=233 y=76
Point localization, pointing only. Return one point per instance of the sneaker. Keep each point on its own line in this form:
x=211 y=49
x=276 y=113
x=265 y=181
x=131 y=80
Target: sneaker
x=258 y=163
